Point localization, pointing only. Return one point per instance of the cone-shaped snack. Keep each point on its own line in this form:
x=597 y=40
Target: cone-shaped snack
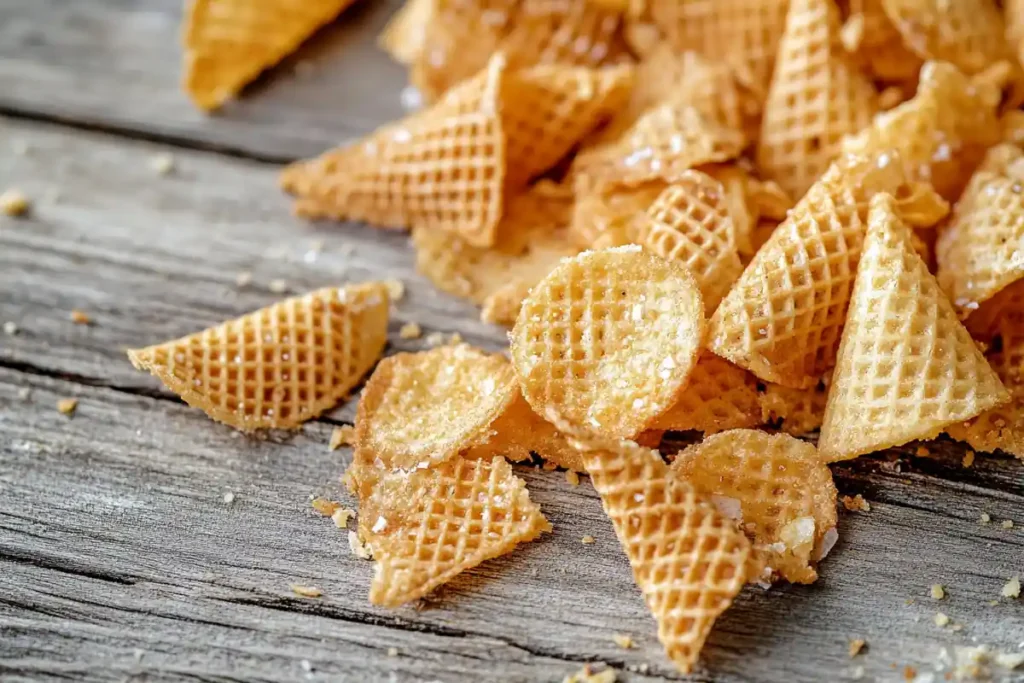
x=942 y=133
x=425 y=527
x=576 y=32
x=817 y=97
x=549 y=108
x=776 y=488
x=717 y=396
x=688 y=560
x=228 y=43
x=441 y=169
x=279 y=366
x=799 y=411
x=420 y=409
x=606 y=340
x=979 y=251
x=1001 y=321
x=662 y=144
x=968 y=33
x=871 y=36
x=611 y=216
x=907 y=367
x=743 y=33
x=783 y=318
x=690 y=223
x=405 y=34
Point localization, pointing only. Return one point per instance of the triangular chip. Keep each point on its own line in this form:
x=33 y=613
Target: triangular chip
x=228 y=43
x=717 y=396
x=776 y=488
x=420 y=409
x=690 y=223
x=440 y=169
x=688 y=560
x=279 y=366
x=425 y=527
x=783 y=318
x=907 y=367
x=817 y=97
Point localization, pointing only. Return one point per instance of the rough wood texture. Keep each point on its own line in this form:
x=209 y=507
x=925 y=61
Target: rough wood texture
x=119 y=557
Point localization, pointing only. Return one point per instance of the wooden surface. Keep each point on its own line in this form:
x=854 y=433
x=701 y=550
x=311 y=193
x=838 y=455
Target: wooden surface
x=121 y=560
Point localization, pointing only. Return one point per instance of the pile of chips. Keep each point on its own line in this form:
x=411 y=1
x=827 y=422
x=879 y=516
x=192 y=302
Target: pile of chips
x=753 y=219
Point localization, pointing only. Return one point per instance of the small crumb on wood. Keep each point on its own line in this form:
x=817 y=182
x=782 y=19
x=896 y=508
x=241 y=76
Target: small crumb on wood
x=856 y=503
x=396 y=289
x=1007 y=524
x=587 y=540
x=856 y=645
x=909 y=673
x=14 y=202
x=80 y=317
x=1012 y=588
x=572 y=477
x=324 y=507
x=623 y=640
x=24 y=393
x=941 y=619
x=341 y=517
x=229 y=497
x=909 y=601
x=10 y=328
x=306 y=591
x=456 y=338
x=243 y=279
x=67 y=406
x=587 y=675
x=342 y=436
x=410 y=330
x=985 y=518
x=162 y=164
x=937 y=591
x=277 y=286
x=392 y=652
x=434 y=339
x=968 y=459
x=358 y=548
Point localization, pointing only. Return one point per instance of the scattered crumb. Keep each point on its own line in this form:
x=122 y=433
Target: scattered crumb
x=358 y=548
x=985 y=518
x=435 y=339
x=856 y=645
x=80 y=317
x=306 y=665
x=938 y=592
x=587 y=540
x=456 y=338
x=306 y=591
x=341 y=517
x=941 y=619
x=922 y=452
x=324 y=507
x=572 y=477
x=277 y=286
x=993 y=603
x=396 y=289
x=1007 y=524
x=586 y=675
x=14 y=203
x=243 y=279
x=909 y=601
x=163 y=164
x=1012 y=588
x=956 y=628
x=10 y=328
x=856 y=503
x=623 y=640
x=24 y=393
x=229 y=497
x=909 y=673
x=392 y=652
x=968 y=459
x=67 y=406
x=410 y=330
x=342 y=436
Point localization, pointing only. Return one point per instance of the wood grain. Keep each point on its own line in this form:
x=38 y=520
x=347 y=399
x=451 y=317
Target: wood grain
x=121 y=558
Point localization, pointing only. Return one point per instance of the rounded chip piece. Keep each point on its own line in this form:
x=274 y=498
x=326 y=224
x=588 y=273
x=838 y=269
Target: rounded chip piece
x=420 y=409
x=606 y=341
x=777 y=489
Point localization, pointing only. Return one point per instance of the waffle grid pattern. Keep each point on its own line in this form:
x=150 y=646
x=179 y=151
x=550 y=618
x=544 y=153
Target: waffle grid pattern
x=718 y=396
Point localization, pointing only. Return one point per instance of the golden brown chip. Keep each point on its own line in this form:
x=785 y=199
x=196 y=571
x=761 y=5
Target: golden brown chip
x=688 y=560
x=611 y=216
x=717 y=396
x=907 y=367
x=817 y=97
x=607 y=340
x=279 y=366
x=778 y=491
x=425 y=527
x=690 y=223
x=879 y=46
x=420 y=409
x=800 y=411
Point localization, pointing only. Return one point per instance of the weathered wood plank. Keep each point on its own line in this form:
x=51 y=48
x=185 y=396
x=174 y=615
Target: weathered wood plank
x=116 y=63
x=114 y=534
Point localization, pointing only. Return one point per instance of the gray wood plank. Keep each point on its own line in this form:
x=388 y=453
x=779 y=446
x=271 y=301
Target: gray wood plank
x=116 y=63
x=114 y=535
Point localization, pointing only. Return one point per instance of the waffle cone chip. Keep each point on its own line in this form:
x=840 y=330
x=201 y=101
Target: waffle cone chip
x=228 y=43
x=279 y=366
x=907 y=367
x=781 y=489
x=941 y=134
x=817 y=96
x=427 y=526
x=690 y=223
x=420 y=409
x=520 y=431
x=979 y=251
x=782 y=320
x=606 y=340
x=688 y=560
x=440 y=169
x=717 y=396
